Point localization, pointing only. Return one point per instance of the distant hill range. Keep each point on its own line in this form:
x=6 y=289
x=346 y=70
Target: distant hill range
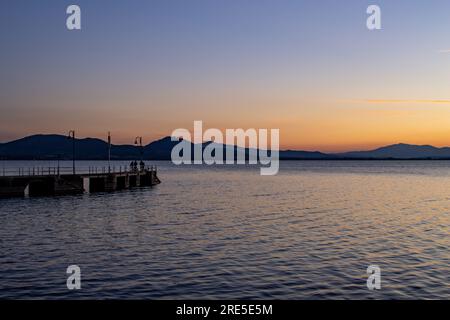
x=401 y=151
x=52 y=147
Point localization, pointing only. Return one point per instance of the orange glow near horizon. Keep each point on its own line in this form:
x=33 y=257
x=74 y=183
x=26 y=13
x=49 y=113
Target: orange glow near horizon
x=324 y=125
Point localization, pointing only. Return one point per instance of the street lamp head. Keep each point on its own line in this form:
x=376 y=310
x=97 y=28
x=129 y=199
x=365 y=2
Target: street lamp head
x=71 y=134
x=138 y=141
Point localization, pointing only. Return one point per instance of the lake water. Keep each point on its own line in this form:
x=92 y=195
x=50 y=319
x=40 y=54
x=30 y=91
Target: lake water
x=227 y=233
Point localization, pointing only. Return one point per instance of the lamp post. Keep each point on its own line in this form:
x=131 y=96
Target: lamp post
x=72 y=136
x=109 y=152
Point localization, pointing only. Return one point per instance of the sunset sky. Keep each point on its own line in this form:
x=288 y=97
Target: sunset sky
x=310 y=68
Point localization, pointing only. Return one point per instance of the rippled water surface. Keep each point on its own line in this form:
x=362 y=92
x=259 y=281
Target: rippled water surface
x=227 y=232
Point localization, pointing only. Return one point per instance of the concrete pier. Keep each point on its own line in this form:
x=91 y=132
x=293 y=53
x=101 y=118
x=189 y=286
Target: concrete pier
x=54 y=183
x=107 y=182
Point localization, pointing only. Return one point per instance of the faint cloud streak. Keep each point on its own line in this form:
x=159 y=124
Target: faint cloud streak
x=386 y=101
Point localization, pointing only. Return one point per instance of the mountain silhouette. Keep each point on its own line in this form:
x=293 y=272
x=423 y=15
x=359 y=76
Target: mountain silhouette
x=52 y=147
x=401 y=151
x=60 y=147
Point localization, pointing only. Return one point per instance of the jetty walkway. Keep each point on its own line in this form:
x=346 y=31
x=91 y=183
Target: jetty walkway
x=48 y=181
